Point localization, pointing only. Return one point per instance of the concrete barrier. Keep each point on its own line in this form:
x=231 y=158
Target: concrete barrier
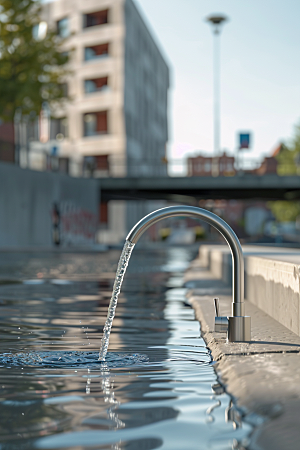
x=27 y=200
x=272 y=279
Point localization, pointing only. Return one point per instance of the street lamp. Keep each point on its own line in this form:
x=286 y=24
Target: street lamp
x=216 y=20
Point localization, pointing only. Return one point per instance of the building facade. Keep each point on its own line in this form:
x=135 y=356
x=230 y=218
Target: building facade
x=115 y=121
x=203 y=166
x=7 y=142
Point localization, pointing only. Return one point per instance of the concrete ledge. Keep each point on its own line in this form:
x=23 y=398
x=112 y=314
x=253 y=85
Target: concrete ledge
x=263 y=376
x=272 y=279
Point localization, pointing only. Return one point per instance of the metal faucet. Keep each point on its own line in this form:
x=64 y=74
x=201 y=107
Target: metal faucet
x=238 y=326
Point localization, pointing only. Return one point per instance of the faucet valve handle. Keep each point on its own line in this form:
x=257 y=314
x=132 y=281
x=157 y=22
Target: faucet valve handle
x=221 y=323
x=217 y=307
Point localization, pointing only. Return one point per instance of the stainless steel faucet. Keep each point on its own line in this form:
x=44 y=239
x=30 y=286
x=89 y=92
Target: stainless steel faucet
x=238 y=326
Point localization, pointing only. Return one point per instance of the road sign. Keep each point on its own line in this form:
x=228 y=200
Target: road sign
x=244 y=139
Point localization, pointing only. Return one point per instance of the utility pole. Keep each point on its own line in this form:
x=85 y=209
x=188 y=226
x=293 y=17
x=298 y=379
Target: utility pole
x=216 y=21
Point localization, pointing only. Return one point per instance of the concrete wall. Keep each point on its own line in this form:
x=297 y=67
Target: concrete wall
x=217 y=258
x=272 y=278
x=26 y=203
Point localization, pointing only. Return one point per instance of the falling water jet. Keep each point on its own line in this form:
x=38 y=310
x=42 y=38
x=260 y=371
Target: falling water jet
x=122 y=266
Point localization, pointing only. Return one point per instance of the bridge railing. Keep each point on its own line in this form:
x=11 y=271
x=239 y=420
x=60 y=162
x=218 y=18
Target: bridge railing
x=173 y=167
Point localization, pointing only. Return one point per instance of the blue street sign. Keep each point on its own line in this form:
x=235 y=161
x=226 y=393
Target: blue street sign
x=244 y=140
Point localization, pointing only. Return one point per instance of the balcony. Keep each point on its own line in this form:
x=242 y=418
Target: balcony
x=95 y=124
x=96 y=85
x=96 y=52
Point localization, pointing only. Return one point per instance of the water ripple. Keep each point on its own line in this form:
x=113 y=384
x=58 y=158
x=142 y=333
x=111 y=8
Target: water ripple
x=70 y=359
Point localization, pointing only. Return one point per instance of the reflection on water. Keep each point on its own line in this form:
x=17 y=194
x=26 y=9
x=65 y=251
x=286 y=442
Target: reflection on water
x=169 y=399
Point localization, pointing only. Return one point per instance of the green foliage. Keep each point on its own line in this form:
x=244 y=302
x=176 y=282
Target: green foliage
x=289 y=156
x=164 y=233
x=199 y=233
x=31 y=69
x=285 y=211
x=288 y=164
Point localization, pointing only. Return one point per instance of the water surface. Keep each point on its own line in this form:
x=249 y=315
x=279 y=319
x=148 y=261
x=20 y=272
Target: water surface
x=157 y=387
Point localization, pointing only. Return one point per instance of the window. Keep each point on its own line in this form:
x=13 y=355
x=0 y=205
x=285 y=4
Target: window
x=59 y=128
x=95 y=85
x=97 y=51
x=7 y=152
x=63 y=165
x=102 y=162
x=96 y=165
x=95 y=18
x=95 y=123
x=63 y=28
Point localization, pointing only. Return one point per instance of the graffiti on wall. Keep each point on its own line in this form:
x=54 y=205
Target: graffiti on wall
x=72 y=225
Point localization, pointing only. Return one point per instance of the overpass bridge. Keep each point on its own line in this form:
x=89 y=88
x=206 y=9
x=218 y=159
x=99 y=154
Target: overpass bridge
x=184 y=189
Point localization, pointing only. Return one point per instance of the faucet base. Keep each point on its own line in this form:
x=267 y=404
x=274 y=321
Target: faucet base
x=239 y=329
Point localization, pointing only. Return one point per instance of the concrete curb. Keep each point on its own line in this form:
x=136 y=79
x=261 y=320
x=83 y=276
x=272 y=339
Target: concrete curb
x=263 y=376
x=272 y=279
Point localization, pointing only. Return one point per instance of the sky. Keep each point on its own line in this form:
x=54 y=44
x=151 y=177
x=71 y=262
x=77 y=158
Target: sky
x=260 y=71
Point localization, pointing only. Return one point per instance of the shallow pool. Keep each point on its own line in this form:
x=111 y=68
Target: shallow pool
x=157 y=389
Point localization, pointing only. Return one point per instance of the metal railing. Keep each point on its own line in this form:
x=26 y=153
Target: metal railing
x=43 y=160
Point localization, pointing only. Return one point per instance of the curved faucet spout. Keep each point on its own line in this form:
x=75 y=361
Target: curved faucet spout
x=220 y=225
x=238 y=325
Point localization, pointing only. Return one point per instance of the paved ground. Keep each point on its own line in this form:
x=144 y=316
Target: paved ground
x=262 y=376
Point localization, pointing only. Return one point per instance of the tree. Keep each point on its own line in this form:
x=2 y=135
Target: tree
x=32 y=67
x=285 y=211
x=288 y=164
x=289 y=157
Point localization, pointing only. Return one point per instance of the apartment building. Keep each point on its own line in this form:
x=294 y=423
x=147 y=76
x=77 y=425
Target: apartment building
x=115 y=123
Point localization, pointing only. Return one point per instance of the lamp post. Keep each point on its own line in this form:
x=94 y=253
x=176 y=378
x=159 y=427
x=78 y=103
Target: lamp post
x=216 y=21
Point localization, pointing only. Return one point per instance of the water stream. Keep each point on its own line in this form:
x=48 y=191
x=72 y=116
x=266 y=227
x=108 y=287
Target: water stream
x=121 y=270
